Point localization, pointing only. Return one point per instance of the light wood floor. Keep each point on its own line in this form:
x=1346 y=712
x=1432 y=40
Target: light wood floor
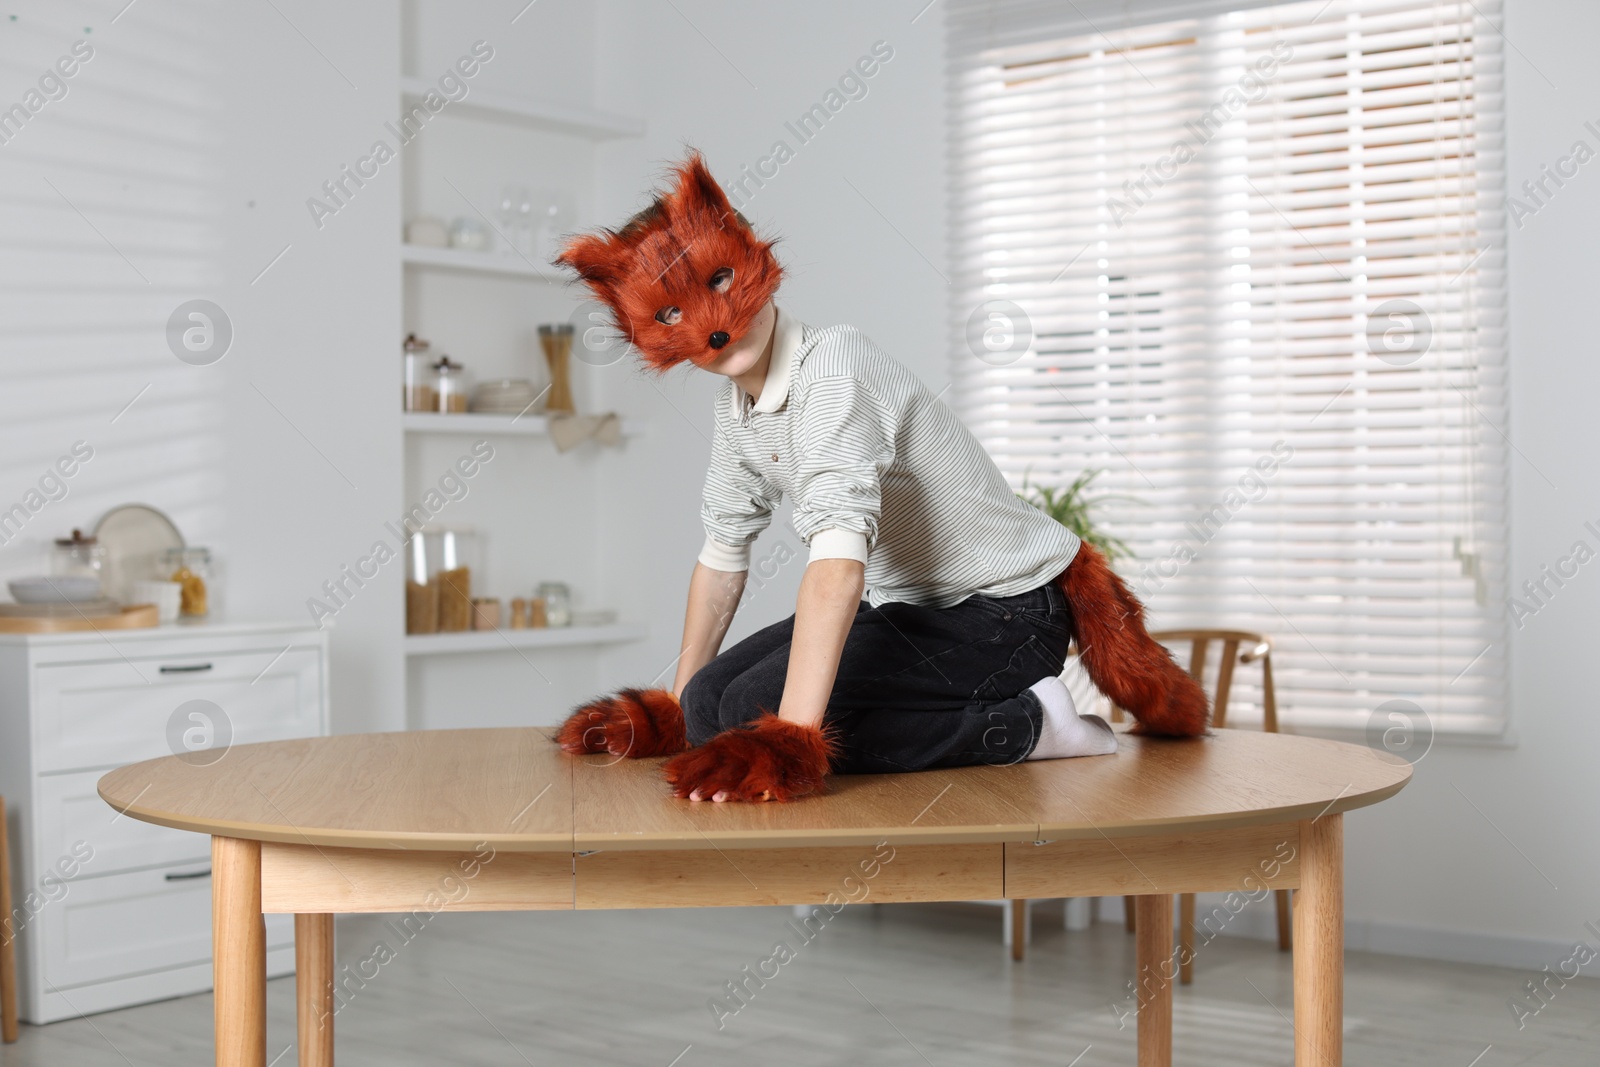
x=908 y=984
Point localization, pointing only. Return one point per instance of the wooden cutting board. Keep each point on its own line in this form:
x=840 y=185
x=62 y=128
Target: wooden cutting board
x=131 y=617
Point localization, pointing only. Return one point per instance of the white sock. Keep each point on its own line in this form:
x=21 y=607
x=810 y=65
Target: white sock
x=1066 y=733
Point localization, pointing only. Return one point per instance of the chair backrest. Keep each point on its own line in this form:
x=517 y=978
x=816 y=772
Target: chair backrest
x=1238 y=646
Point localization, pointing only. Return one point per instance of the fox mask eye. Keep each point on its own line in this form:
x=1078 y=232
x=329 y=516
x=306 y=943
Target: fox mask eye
x=670 y=316
x=721 y=279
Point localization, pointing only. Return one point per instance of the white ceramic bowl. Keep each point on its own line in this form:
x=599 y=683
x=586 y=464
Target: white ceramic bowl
x=54 y=590
x=166 y=596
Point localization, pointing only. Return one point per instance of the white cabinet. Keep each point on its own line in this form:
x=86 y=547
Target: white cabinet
x=69 y=810
x=110 y=911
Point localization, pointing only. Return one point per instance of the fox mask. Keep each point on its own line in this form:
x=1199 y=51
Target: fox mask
x=683 y=278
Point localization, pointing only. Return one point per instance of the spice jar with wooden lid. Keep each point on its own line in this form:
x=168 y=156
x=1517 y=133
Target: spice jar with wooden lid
x=485 y=613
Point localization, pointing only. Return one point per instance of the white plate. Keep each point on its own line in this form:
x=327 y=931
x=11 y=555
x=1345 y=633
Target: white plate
x=55 y=590
x=599 y=617
x=510 y=396
x=134 y=537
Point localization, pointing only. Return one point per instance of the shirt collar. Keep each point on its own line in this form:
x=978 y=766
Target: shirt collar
x=787 y=334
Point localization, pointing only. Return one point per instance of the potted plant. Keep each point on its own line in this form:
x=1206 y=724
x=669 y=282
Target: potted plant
x=1073 y=508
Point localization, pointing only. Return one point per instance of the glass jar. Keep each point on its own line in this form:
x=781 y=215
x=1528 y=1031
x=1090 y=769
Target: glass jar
x=557 y=603
x=78 y=557
x=556 y=340
x=421 y=389
x=422 y=596
x=450 y=382
x=469 y=234
x=191 y=569
x=453 y=554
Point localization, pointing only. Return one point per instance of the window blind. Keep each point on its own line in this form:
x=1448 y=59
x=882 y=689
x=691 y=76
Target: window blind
x=1249 y=264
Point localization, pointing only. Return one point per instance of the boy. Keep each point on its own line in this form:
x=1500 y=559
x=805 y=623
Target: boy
x=973 y=595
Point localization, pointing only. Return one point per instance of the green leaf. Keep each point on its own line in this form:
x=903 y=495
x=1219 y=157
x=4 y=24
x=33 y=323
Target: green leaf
x=1073 y=508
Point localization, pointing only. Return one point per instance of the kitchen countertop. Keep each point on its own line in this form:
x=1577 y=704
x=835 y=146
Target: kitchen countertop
x=203 y=628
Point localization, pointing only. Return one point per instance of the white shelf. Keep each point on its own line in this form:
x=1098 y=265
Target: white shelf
x=507 y=264
x=562 y=118
x=472 y=422
x=509 y=640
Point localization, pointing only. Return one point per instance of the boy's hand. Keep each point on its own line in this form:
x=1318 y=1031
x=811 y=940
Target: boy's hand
x=769 y=759
x=634 y=723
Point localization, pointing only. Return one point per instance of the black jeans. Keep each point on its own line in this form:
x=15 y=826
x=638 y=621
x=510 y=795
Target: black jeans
x=917 y=687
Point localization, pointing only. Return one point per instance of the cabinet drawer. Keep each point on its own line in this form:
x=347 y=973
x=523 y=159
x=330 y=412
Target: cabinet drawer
x=73 y=821
x=128 y=924
x=110 y=713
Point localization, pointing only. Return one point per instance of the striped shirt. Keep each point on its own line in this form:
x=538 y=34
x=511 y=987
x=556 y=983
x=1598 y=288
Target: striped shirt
x=879 y=469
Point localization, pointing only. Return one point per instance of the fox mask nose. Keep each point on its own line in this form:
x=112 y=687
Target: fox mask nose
x=719 y=339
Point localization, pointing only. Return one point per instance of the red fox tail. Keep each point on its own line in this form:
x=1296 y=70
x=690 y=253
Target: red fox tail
x=1121 y=658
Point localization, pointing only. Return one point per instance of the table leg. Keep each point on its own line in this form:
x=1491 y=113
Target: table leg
x=313 y=988
x=1285 y=909
x=1319 y=945
x=8 y=940
x=1152 y=935
x=1019 y=928
x=1186 y=938
x=239 y=953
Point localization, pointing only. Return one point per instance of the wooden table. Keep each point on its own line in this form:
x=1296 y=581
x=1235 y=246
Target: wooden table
x=500 y=820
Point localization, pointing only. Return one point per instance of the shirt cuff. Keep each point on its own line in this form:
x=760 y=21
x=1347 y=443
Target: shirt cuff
x=721 y=557
x=839 y=544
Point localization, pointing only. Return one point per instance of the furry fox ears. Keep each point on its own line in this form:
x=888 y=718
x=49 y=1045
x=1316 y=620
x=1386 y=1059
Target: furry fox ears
x=683 y=278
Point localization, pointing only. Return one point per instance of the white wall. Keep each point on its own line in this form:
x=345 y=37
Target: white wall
x=308 y=486
x=1492 y=847
x=183 y=154
x=1457 y=865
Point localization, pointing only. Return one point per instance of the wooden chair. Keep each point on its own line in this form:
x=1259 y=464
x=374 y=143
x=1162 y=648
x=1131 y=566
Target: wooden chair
x=1254 y=647
x=8 y=941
